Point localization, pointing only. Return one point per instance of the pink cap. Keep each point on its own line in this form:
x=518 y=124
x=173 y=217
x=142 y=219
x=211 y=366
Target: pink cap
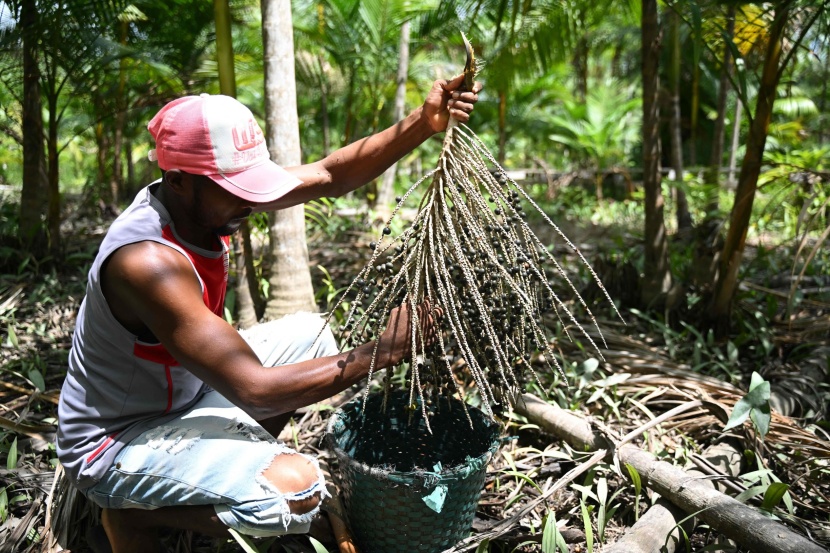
x=218 y=137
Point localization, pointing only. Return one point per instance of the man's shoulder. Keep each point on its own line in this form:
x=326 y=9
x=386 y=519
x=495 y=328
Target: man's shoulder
x=148 y=257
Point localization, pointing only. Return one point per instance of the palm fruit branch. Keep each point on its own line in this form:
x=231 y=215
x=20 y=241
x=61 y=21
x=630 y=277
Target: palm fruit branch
x=470 y=252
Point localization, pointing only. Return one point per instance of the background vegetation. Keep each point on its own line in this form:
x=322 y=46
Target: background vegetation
x=682 y=145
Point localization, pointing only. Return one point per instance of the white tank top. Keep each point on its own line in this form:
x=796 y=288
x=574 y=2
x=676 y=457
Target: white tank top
x=117 y=386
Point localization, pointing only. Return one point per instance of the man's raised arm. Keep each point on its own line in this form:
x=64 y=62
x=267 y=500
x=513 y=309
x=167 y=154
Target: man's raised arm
x=358 y=163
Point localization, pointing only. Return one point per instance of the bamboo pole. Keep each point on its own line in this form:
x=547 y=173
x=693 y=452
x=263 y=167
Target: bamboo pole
x=728 y=516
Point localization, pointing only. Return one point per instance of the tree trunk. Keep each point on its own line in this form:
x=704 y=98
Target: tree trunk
x=694 y=112
x=716 y=160
x=324 y=106
x=726 y=281
x=33 y=193
x=386 y=192
x=822 y=126
x=248 y=297
x=249 y=302
x=102 y=144
x=657 y=276
x=684 y=218
x=580 y=60
x=224 y=48
x=502 y=154
x=130 y=182
x=120 y=120
x=348 y=128
x=736 y=135
x=290 y=280
x=53 y=216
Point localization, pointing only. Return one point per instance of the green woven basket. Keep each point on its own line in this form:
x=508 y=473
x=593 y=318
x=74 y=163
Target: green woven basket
x=404 y=488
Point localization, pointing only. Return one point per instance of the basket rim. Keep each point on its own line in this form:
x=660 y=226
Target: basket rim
x=414 y=478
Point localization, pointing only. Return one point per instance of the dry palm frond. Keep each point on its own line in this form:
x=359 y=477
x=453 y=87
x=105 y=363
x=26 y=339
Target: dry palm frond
x=470 y=252
x=654 y=383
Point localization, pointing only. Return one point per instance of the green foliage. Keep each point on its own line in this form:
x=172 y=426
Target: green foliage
x=552 y=539
x=638 y=487
x=765 y=483
x=586 y=521
x=11 y=458
x=755 y=405
x=602 y=131
x=773 y=495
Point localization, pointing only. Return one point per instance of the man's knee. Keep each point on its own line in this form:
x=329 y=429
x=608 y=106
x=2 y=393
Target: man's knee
x=294 y=475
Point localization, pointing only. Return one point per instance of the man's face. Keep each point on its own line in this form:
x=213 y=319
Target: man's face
x=216 y=209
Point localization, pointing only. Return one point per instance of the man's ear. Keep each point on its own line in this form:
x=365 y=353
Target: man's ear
x=175 y=179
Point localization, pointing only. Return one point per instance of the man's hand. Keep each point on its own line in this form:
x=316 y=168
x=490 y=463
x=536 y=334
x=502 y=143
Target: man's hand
x=445 y=101
x=395 y=343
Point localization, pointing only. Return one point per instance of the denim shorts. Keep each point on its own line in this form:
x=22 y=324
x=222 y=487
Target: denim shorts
x=215 y=453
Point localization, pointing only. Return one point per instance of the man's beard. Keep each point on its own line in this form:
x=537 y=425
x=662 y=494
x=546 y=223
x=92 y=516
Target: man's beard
x=227 y=229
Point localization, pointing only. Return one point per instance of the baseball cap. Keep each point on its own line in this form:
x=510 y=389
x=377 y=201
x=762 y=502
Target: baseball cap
x=218 y=137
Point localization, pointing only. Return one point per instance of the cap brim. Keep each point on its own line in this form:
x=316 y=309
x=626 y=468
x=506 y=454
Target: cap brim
x=262 y=183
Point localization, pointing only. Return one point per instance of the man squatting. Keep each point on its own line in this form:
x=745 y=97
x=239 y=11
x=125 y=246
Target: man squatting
x=168 y=415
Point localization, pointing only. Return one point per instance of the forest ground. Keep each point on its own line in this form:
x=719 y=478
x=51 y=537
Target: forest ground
x=38 y=310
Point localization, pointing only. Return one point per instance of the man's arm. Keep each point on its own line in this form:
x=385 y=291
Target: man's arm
x=152 y=286
x=358 y=163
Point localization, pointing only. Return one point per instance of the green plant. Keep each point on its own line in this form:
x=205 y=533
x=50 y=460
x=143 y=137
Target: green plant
x=764 y=481
x=601 y=131
x=638 y=487
x=552 y=539
x=755 y=405
x=326 y=295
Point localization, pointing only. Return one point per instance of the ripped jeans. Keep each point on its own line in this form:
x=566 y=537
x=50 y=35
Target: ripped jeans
x=215 y=454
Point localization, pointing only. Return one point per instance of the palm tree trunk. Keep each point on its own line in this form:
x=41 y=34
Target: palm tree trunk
x=386 y=192
x=580 y=63
x=53 y=216
x=248 y=298
x=249 y=302
x=33 y=194
x=102 y=144
x=224 y=47
x=736 y=135
x=324 y=106
x=348 y=129
x=822 y=128
x=502 y=154
x=684 y=218
x=713 y=178
x=290 y=280
x=657 y=276
x=726 y=281
x=128 y=158
x=250 y=305
x=120 y=119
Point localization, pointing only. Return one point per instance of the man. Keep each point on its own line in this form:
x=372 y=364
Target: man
x=168 y=414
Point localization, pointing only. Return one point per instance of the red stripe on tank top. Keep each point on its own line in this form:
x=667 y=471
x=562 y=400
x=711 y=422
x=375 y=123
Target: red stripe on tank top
x=155 y=353
x=100 y=448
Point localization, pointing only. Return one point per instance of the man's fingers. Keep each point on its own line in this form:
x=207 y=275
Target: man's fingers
x=453 y=83
x=459 y=105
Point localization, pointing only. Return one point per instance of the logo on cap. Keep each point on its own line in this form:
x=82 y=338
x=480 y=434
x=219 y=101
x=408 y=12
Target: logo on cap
x=247 y=135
